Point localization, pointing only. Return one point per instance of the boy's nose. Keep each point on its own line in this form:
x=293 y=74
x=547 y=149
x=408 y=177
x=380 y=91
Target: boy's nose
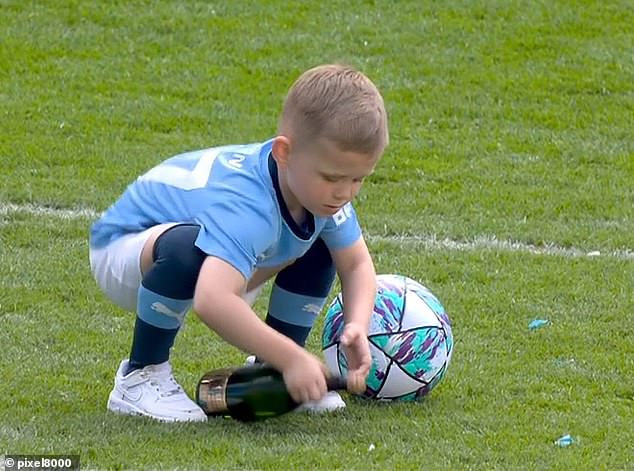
x=344 y=193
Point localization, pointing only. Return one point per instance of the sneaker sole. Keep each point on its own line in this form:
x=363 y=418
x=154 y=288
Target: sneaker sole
x=320 y=410
x=119 y=406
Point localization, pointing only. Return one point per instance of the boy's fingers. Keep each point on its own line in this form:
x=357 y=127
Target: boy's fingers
x=356 y=383
x=296 y=395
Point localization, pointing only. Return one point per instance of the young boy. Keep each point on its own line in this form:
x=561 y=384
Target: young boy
x=208 y=228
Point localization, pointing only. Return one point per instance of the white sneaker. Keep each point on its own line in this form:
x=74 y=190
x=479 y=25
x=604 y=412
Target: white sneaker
x=332 y=401
x=153 y=392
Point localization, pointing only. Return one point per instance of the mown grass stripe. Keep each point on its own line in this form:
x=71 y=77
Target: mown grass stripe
x=428 y=241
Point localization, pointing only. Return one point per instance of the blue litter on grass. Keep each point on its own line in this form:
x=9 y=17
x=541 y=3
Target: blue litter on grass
x=537 y=323
x=564 y=441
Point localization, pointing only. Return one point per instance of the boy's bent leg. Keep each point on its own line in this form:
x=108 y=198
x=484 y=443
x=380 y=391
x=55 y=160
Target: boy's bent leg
x=297 y=298
x=300 y=292
x=144 y=384
x=165 y=294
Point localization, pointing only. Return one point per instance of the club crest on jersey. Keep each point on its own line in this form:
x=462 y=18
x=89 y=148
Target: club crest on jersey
x=343 y=214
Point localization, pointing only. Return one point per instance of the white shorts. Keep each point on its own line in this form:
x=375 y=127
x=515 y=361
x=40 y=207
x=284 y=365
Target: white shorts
x=117 y=268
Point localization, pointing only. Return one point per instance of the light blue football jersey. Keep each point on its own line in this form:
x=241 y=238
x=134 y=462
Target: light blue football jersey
x=232 y=192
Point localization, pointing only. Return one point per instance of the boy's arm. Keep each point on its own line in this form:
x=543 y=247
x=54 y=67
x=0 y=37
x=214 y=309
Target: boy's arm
x=358 y=282
x=218 y=303
x=358 y=285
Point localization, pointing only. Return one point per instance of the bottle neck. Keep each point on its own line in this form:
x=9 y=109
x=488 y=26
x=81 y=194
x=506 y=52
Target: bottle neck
x=212 y=390
x=336 y=383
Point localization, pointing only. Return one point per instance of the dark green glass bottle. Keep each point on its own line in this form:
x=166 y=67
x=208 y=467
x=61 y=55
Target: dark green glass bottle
x=250 y=393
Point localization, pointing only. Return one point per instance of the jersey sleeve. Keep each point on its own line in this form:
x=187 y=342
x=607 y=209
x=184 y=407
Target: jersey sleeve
x=342 y=229
x=237 y=232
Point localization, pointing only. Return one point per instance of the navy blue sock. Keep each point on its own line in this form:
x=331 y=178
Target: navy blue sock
x=298 y=333
x=146 y=334
x=165 y=295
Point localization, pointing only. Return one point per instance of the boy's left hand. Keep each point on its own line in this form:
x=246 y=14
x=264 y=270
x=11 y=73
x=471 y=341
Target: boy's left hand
x=357 y=350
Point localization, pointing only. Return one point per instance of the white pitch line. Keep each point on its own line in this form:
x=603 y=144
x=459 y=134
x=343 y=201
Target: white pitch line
x=432 y=242
x=35 y=210
x=428 y=241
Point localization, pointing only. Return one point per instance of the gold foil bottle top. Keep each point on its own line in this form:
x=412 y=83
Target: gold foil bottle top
x=211 y=393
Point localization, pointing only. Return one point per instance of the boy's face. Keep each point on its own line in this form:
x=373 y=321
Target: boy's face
x=322 y=178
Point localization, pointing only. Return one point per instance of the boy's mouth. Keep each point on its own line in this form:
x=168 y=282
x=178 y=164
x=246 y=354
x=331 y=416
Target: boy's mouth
x=332 y=208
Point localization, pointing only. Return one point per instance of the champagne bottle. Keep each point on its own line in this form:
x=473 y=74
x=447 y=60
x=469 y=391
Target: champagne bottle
x=250 y=393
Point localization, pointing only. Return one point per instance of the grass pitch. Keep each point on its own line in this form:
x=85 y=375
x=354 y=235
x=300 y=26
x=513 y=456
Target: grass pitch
x=510 y=122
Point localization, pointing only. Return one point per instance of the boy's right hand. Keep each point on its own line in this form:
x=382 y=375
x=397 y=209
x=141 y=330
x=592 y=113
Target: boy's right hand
x=305 y=377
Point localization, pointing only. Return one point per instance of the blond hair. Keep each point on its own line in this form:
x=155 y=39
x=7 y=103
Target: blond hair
x=337 y=103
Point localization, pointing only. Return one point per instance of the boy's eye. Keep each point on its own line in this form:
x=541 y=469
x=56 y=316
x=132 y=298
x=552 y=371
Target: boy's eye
x=331 y=179
x=335 y=179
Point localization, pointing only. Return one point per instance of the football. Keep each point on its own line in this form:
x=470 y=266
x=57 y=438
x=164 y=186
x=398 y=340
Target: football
x=410 y=337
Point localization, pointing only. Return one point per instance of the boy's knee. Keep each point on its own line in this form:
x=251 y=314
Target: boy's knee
x=177 y=262
x=317 y=257
x=312 y=274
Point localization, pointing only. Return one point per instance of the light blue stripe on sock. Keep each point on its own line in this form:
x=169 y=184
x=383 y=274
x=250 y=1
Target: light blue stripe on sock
x=159 y=311
x=292 y=308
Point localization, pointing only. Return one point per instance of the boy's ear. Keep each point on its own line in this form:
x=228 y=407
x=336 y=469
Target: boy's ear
x=281 y=150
